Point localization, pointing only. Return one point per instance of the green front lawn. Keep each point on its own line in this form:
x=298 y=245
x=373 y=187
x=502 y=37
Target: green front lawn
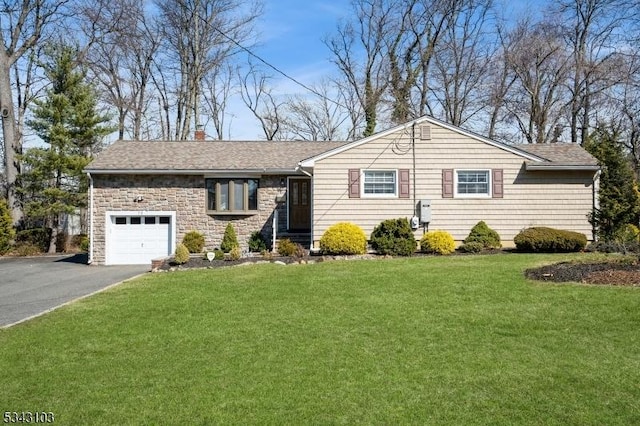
x=449 y=340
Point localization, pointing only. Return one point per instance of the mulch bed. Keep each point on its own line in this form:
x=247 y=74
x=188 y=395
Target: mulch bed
x=200 y=262
x=605 y=273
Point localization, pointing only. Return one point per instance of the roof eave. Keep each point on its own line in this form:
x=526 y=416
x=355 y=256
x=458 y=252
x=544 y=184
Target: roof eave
x=310 y=162
x=561 y=167
x=208 y=172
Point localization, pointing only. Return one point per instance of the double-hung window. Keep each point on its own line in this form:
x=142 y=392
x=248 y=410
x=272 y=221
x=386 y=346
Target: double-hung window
x=473 y=183
x=232 y=195
x=380 y=183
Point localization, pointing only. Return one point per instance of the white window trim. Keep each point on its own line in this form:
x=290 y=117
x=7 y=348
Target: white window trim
x=455 y=184
x=362 y=179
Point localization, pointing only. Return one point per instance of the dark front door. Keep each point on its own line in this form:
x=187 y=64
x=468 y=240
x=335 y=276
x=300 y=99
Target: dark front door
x=299 y=204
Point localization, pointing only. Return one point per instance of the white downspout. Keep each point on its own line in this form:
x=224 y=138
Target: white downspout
x=596 y=201
x=90 y=218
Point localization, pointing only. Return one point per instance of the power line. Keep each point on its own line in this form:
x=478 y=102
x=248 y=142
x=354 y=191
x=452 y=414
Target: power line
x=273 y=67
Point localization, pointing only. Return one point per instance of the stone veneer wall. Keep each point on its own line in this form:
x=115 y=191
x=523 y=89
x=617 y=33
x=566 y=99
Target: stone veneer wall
x=186 y=195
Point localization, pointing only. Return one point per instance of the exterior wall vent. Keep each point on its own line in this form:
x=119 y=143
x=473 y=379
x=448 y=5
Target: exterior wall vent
x=425 y=132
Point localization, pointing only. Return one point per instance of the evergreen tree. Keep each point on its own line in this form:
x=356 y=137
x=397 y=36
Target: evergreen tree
x=68 y=123
x=7 y=233
x=618 y=195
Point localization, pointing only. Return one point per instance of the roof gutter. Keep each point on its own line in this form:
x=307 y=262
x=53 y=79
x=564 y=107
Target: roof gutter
x=226 y=172
x=561 y=167
x=301 y=170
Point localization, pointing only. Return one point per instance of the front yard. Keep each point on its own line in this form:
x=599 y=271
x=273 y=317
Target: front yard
x=430 y=340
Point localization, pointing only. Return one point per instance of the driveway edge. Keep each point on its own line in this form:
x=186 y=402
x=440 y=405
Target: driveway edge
x=72 y=301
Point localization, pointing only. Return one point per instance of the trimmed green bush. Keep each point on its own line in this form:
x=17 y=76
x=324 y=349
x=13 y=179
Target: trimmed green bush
x=286 y=247
x=549 y=240
x=219 y=254
x=481 y=233
x=257 y=242
x=343 y=238
x=229 y=239
x=194 y=241
x=437 y=242
x=182 y=254
x=471 y=247
x=235 y=253
x=7 y=232
x=394 y=237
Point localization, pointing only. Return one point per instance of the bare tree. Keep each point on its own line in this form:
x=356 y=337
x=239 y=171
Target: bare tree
x=593 y=28
x=218 y=85
x=121 y=58
x=259 y=98
x=623 y=106
x=418 y=26
x=462 y=63
x=360 y=52
x=500 y=79
x=23 y=24
x=199 y=36
x=316 y=119
x=541 y=64
x=348 y=98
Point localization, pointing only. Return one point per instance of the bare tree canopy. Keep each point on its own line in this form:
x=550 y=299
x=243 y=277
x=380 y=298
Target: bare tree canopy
x=198 y=36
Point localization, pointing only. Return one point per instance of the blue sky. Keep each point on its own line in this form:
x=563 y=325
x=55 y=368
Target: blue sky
x=290 y=37
x=291 y=34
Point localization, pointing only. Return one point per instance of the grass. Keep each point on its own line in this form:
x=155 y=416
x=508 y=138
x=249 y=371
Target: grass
x=435 y=340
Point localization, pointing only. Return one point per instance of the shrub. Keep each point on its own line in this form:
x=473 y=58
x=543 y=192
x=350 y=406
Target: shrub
x=549 y=240
x=7 y=233
x=229 y=239
x=628 y=234
x=481 y=233
x=219 y=254
x=605 y=247
x=286 y=247
x=182 y=254
x=257 y=242
x=84 y=243
x=300 y=253
x=437 y=242
x=38 y=237
x=394 y=237
x=26 y=249
x=343 y=238
x=471 y=247
x=193 y=241
x=235 y=253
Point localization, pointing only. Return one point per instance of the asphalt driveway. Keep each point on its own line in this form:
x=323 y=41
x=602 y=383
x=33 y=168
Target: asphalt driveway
x=31 y=286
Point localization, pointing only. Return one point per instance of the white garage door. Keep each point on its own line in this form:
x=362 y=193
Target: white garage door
x=137 y=239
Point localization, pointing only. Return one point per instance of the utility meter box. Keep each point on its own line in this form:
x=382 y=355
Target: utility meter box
x=424 y=206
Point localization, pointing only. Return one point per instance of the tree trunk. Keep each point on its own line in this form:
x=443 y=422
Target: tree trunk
x=54 y=237
x=12 y=142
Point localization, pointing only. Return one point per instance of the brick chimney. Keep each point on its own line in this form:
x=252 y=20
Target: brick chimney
x=199 y=134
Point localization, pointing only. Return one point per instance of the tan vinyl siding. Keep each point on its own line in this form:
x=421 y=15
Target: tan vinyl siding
x=556 y=199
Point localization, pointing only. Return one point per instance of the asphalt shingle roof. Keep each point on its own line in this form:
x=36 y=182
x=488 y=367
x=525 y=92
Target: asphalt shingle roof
x=206 y=155
x=565 y=154
x=186 y=156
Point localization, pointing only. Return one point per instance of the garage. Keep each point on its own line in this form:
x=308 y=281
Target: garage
x=135 y=238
